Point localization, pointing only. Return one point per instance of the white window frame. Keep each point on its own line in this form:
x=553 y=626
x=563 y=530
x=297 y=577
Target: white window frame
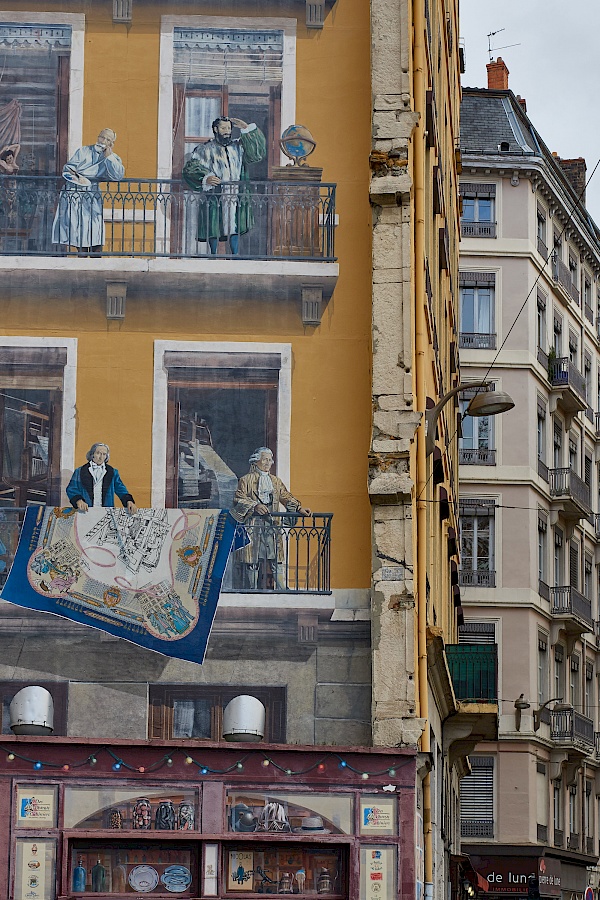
x=68 y=424
x=159 y=415
x=77 y=23
x=165 y=94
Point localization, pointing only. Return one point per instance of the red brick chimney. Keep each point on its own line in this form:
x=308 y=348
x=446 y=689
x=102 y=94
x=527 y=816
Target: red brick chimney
x=497 y=75
x=575 y=170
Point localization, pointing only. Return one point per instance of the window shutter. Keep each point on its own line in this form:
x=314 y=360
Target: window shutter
x=477 y=633
x=477 y=799
x=574 y=565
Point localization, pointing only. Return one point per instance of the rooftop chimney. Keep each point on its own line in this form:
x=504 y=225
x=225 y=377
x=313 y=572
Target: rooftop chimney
x=497 y=75
x=574 y=170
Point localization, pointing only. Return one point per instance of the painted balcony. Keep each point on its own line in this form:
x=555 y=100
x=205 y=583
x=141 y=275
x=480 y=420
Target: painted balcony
x=572 y=730
x=477 y=229
x=570 y=492
x=151 y=230
x=292 y=553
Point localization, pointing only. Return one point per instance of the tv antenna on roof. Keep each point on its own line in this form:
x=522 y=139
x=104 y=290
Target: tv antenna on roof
x=505 y=47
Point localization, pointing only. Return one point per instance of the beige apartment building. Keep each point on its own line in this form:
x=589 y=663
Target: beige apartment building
x=529 y=577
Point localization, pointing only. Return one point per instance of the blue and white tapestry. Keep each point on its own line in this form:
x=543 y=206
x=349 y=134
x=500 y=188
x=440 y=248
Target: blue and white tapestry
x=152 y=578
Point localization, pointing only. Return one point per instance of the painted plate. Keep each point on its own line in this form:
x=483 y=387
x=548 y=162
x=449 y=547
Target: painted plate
x=143 y=879
x=176 y=879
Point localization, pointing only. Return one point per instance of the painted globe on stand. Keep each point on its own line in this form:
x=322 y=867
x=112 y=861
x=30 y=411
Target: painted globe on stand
x=297 y=143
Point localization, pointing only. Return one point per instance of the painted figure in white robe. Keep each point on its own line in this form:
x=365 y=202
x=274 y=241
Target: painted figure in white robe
x=79 y=220
x=228 y=210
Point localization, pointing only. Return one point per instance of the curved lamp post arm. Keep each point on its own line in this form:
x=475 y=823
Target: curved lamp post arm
x=433 y=414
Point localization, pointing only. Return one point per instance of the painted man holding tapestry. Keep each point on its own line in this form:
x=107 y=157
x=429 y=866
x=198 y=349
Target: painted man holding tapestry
x=215 y=167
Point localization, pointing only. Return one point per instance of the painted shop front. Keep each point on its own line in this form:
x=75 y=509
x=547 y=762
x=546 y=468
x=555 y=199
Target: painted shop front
x=204 y=820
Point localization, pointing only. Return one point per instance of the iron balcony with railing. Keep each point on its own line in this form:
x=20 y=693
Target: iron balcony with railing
x=477 y=578
x=567 y=486
x=474 y=672
x=284 y=553
x=146 y=217
x=562 y=373
x=570 y=728
x=562 y=275
x=476 y=341
x=476 y=456
x=477 y=229
x=567 y=601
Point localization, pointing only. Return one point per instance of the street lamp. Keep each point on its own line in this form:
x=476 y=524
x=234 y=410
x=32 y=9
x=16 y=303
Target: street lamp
x=537 y=713
x=487 y=403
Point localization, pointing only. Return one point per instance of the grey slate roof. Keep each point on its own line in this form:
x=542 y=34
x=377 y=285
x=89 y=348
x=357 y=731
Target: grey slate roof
x=489 y=119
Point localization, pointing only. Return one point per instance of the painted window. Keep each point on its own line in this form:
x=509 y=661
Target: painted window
x=190 y=711
x=35 y=61
x=31 y=412
x=221 y=407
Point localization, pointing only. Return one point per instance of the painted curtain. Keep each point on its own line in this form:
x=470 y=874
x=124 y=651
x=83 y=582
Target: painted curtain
x=152 y=578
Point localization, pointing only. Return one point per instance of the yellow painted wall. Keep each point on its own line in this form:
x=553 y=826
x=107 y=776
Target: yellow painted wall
x=331 y=364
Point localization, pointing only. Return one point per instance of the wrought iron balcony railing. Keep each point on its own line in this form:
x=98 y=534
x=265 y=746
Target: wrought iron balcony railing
x=474 y=671
x=589 y=312
x=477 y=456
x=563 y=373
x=564 y=483
x=542 y=249
x=570 y=727
x=478 y=578
x=543 y=470
x=566 y=600
x=163 y=218
x=478 y=229
x=597 y=743
x=475 y=341
x=477 y=828
x=563 y=276
x=287 y=553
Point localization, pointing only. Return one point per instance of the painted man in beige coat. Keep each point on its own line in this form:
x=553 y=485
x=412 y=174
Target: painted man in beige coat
x=258 y=495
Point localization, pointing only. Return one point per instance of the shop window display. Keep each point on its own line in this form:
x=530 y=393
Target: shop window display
x=309 y=814
x=125 y=809
x=290 y=869
x=129 y=867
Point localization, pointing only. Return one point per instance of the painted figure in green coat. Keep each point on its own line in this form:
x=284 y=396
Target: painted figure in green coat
x=212 y=167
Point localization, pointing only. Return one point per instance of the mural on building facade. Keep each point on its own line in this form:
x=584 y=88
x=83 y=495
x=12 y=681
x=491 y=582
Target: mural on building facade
x=152 y=577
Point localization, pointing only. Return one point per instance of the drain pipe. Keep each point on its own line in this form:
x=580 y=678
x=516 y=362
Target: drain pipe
x=421 y=346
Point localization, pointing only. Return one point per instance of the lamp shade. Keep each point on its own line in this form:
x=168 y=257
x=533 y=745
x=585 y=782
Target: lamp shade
x=244 y=719
x=32 y=711
x=490 y=403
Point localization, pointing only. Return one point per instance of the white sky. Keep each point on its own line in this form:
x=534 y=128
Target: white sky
x=556 y=69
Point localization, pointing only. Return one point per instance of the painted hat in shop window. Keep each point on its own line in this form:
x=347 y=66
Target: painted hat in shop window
x=312 y=825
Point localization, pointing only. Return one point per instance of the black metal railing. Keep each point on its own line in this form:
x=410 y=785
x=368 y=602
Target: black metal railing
x=569 y=726
x=287 y=553
x=41 y=215
x=543 y=470
x=474 y=671
x=597 y=417
x=542 y=249
x=477 y=828
x=589 y=312
x=478 y=578
x=573 y=841
x=595 y=521
x=477 y=456
x=589 y=414
x=542 y=358
x=542 y=833
x=565 y=483
x=543 y=589
x=566 y=600
x=476 y=341
x=478 y=229
x=559 y=837
x=563 y=276
x=597 y=741
x=563 y=373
